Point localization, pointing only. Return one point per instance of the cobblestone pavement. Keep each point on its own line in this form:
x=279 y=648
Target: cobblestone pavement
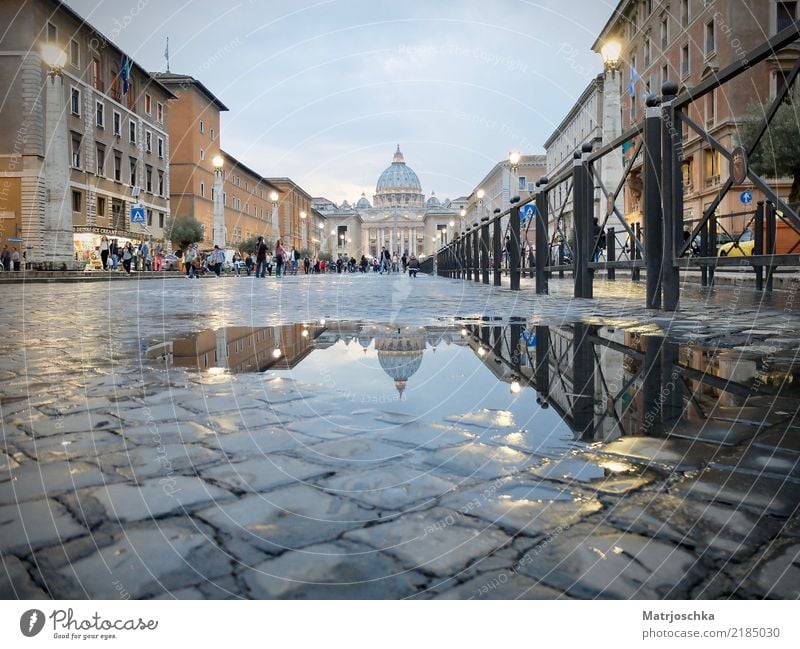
x=120 y=477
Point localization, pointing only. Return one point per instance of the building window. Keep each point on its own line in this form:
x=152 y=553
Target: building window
x=684 y=13
x=76 y=150
x=685 y=61
x=148 y=178
x=160 y=112
x=202 y=126
x=117 y=124
x=202 y=154
x=132 y=132
x=74 y=54
x=97 y=76
x=787 y=14
x=101 y=160
x=646 y=51
x=713 y=162
x=161 y=148
x=711 y=108
x=688 y=179
x=711 y=39
x=52 y=33
x=148 y=104
x=664 y=74
x=160 y=183
x=132 y=165
x=212 y=134
x=101 y=206
x=149 y=218
x=236 y=181
x=161 y=220
x=118 y=166
x=664 y=32
x=203 y=190
x=131 y=96
x=76 y=201
x=75 y=101
x=148 y=141
x=212 y=194
x=522 y=183
x=100 y=114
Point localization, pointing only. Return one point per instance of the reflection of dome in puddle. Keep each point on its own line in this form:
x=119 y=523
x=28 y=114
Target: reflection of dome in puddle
x=400 y=352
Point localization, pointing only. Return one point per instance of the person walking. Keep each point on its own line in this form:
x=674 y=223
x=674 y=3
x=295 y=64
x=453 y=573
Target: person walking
x=145 y=255
x=127 y=257
x=413 y=266
x=404 y=260
x=395 y=263
x=261 y=258
x=104 y=252
x=280 y=258
x=217 y=259
x=306 y=265
x=158 y=259
x=188 y=261
x=294 y=258
x=113 y=251
x=5 y=259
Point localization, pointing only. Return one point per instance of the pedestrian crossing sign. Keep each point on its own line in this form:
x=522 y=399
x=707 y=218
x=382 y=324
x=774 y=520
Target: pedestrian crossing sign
x=527 y=211
x=137 y=215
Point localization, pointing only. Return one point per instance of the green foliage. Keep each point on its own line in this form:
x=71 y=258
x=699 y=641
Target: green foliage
x=184 y=231
x=324 y=256
x=778 y=153
x=251 y=244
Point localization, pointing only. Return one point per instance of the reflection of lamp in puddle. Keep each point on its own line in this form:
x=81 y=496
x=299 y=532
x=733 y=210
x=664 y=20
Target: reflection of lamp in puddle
x=481 y=351
x=276 y=353
x=322 y=322
x=515 y=387
x=304 y=333
x=464 y=331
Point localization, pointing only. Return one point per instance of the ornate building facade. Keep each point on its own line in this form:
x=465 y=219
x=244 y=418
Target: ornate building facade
x=399 y=218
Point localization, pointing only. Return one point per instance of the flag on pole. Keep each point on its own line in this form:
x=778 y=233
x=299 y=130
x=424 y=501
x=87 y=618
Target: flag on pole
x=125 y=73
x=166 y=53
x=632 y=84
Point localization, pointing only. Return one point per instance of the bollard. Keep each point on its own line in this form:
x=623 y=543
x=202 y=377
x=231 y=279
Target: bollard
x=561 y=259
x=611 y=253
x=497 y=250
x=671 y=196
x=485 y=249
x=583 y=381
x=771 y=238
x=636 y=274
x=704 y=254
x=476 y=257
x=582 y=210
x=758 y=244
x=468 y=252
x=513 y=249
x=712 y=246
x=542 y=251
x=653 y=226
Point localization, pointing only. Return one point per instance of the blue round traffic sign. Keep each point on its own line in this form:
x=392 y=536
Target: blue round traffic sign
x=746 y=197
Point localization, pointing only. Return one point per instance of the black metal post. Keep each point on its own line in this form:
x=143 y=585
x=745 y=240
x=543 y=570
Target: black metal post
x=651 y=384
x=476 y=257
x=582 y=380
x=771 y=240
x=636 y=273
x=542 y=369
x=485 y=249
x=704 y=254
x=561 y=258
x=611 y=253
x=580 y=256
x=671 y=396
x=513 y=249
x=542 y=246
x=758 y=244
x=712 y=245
x=468 y=253
x=671 y=203
x=653 y=226
x=497 y=250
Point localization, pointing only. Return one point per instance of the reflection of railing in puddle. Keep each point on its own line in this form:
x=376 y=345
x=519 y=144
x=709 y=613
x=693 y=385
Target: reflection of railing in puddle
x=240 y=349
x=605 y=383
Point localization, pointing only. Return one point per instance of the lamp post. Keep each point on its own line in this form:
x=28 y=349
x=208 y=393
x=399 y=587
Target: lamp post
x=611 y=165
x=219 y=207
x=303 y=229
x=57 y=232
x=276 y=226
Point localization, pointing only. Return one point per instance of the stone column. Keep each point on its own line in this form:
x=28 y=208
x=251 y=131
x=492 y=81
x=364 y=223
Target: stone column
x=611 y=166
x=57 y=245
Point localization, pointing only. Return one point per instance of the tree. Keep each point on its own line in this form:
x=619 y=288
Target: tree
x=251 y=244
x=778 y=153
x=184 y=230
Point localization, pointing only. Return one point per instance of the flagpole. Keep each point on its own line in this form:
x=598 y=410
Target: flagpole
x=166 y=53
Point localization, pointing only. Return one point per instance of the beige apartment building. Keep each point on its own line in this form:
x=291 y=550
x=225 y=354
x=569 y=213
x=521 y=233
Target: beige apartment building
x=195 y=133
x=76 y=150
x=294 y=213
x=688 y=41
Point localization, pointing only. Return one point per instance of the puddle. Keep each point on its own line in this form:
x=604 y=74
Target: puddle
x=538 y=389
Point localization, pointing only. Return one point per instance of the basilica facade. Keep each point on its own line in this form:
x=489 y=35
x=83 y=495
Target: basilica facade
x=399 y=218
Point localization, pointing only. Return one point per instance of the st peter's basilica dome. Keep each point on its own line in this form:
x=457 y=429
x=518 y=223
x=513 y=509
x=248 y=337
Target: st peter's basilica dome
x=398 y=186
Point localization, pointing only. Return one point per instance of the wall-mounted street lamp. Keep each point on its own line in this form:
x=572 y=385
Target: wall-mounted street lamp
x=276 y=226
x=513 y=160
x=55 y=58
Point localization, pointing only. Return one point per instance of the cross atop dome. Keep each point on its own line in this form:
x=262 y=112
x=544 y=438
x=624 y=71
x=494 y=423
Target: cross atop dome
x=398 y=156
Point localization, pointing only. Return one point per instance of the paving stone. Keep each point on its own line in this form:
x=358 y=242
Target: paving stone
x=713 y=530
x=778 y=574
x=425 y=435
x=479 y=460
x=139 y=464
x=390 y=487
x=33 y=482
x=263 y=473
x=167 y=433
x=671 y=454
x=154 y=498
x=593 y=561
x=259 y=442
x=6 y=465
x=502 y=584
x=234 y=420
x=756 y=493
x=485 y=419
x=435 y=541
x=35 y=524
x=16 y=583
x=332 y=571
x=288 y=518
x=74 y=446
x=359 y=452
x=77 y=423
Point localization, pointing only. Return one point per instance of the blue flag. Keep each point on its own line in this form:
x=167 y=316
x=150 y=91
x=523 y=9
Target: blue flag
x=125 y=73
x=632 y=84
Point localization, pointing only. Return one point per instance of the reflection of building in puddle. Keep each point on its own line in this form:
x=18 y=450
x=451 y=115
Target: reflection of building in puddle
x=400 y=351
x=240 y=349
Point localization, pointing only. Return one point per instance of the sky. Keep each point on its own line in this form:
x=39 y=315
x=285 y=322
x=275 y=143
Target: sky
x=322 y=91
